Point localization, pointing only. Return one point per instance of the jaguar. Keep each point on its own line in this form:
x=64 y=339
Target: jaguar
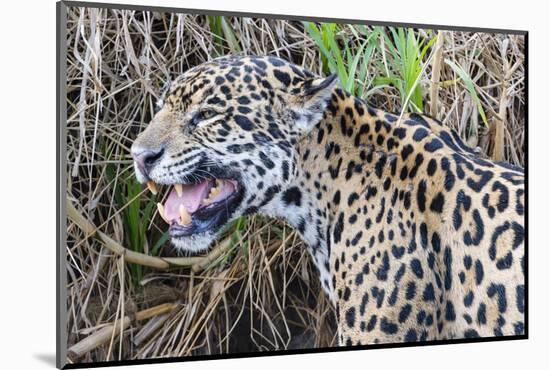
x=416 y=237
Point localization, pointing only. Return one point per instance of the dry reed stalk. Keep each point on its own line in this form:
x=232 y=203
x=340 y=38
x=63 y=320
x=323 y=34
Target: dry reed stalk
x=436 y=73
x=107 y=332
x=500 y=121
x=197 y=263
x=129 y=255
x=498 y=145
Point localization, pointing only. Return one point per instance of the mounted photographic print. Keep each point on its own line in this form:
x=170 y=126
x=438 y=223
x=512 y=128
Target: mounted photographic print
x=237 y=184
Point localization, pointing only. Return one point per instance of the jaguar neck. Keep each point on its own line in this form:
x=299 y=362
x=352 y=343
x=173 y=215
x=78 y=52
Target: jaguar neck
x=353 y=148
x=350 y=148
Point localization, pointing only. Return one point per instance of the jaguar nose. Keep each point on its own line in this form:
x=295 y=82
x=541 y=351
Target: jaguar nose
x=146 y=159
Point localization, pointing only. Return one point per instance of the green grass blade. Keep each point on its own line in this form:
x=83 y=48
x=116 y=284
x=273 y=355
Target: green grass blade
x=160 y=242
x=353 y=67
x=230 y=38
x=337 y=53
x=470 y=86
x=326 y=55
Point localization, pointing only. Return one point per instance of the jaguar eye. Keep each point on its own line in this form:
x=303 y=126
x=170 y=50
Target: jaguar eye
x=207 y=113
x=202 y=115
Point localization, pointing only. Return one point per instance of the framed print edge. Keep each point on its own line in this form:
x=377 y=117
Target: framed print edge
x=61 y=189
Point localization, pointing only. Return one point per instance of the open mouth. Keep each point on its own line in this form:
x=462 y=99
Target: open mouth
x=194 y=208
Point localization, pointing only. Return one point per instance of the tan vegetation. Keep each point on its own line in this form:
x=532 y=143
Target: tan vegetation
x=257 y=290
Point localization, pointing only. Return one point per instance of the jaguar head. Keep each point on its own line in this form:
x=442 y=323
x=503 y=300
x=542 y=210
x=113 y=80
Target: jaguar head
x=223 y=142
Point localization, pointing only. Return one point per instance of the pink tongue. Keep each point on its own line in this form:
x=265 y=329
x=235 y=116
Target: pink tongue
x=191 y=200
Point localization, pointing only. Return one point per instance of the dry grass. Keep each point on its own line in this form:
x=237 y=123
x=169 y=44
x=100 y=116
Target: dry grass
x=260 y=292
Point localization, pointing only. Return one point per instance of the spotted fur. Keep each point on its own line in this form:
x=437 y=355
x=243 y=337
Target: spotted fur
x=415 y=236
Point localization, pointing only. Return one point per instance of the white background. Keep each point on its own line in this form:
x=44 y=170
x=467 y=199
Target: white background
x=27 y=165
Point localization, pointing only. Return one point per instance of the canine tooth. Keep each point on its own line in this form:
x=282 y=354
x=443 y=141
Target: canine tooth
x=160 y=208
x=152 y=187
x=206 y=201
x=185 y=218
x=179 y=190
x=214 y=192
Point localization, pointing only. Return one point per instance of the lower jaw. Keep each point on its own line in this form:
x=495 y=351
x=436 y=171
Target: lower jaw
x=206 y=223
x=195 y=228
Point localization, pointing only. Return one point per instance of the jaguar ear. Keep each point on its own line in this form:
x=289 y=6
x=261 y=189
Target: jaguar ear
x=312 y=100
